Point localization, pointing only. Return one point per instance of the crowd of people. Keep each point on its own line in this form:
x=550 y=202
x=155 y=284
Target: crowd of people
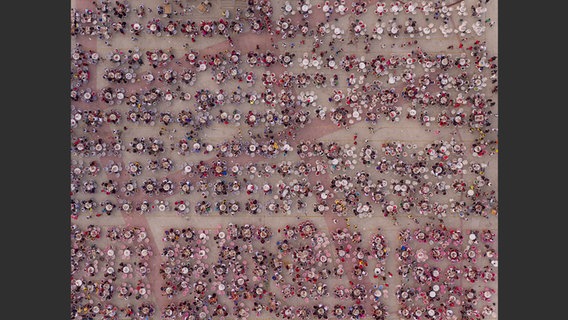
x=417 y=176
x=447 y=273
x=141 y=144
x=209 y=273
x=107 y=263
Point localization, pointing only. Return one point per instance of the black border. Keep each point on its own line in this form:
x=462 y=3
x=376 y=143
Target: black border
x=529 y=159
x=36 y=237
